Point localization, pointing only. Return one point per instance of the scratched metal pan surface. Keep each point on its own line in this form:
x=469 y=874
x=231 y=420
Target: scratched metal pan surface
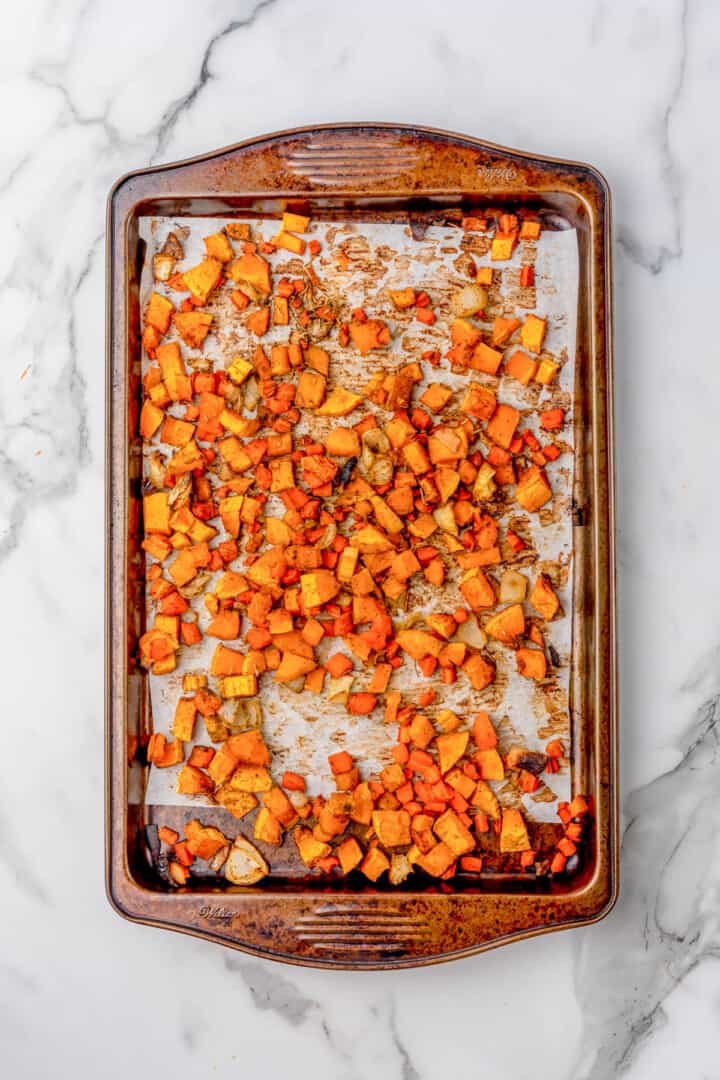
x=363 y=172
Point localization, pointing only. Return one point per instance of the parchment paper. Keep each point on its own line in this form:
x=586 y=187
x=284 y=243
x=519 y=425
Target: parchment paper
x=302 y=729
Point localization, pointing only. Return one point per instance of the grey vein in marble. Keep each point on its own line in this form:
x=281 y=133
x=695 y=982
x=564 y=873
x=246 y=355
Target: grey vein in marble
x=409 y=1072
x=628 y=241
x=271 y=990
x=174 y=111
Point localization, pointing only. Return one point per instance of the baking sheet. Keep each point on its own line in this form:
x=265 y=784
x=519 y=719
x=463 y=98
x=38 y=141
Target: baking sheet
x=302 y=729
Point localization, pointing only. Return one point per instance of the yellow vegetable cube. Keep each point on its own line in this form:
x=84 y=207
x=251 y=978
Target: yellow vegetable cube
x=239 y=370
x=294 y=222
x=546 y=372
x=532 y=333
x=283 y=476
x=288 y=242
x=318 y=587
x=219 y=247
x=503 y=246
x=184 y=723
x=203 y=278
x=339 y=402
x=156 y=512
x=239 y=686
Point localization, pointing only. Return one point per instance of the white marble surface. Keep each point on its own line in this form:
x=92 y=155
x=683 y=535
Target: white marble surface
x=92 y=89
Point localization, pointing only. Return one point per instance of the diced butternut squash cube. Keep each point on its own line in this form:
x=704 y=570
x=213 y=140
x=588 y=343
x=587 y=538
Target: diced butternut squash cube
x=375 y=863
x=343 y=442
x=347 y=563
x=249 y=747
x=451 y=831
x=203 y=278
x=176 y=432
x=288 y=242
x=532 y=334
x=151 y=417
x=226 y=661
x=508 y=625
x=451 y=748
x=219 y=247
x=238 y=803
x=522 y=367
x=292 y=667
x=462 y=332
x=422 y=731
x=309 y=848
x=486 y=359
x=484 y=735
x=485 y=800
x=418 y=643
x=159 y=312
x=502 y=247
x=402 y=298
x=239 y=686
x=478 y=590
x=533 y=489
x=283 y=476
x=437 y=860
x=350 y=854
x=546 y=372
x=267 y=828
x=513 y=833
x=416 y=457
x=502 y=425
x=392 y=827
x=503 y=330
x=436 y=397
x=252 y=778
x=544 y=598
x=294 y=222
x=490 y=765
x=531 y=663
x=193 y=327
x=156 y=513
x=204 y=841
x=530 y=230
x=370 y=540
x=339 y=402
x=251 y=270
x=239 y=369
x=479 y=671
x=399 y=431
x=310 y=390
x=184 y=721
x=318 y=588
x=193 y=781
x=233 y=451
x=479 y=401
x=447 y=445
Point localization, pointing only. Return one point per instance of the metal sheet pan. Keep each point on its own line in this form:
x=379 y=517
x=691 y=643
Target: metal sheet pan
x=390 y=174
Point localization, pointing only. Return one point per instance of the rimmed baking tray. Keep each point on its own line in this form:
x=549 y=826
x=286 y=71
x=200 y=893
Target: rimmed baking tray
x=399 y=174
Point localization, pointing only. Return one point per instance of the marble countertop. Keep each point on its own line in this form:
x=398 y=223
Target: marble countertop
x=89 y=93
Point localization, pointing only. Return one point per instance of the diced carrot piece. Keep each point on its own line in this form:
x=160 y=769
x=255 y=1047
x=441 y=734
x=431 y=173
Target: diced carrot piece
x=293 y=781
x=340 y=762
